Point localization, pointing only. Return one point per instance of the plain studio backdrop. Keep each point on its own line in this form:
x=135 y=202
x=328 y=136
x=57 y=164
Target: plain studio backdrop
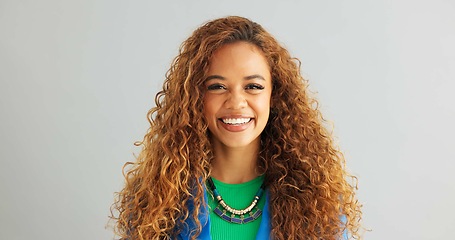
x=78 y=77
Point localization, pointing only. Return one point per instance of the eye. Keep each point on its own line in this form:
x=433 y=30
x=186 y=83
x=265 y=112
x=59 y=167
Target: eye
x=254 y=86
x=216 y=86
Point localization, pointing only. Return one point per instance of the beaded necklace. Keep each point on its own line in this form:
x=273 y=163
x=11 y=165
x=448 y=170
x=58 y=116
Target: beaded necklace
x=232 y=215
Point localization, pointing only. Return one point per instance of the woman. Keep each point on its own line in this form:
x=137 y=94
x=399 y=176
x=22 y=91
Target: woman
x=236 y=149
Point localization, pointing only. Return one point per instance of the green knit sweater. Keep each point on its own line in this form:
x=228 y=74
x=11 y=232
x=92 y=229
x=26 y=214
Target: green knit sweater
x=238 y=196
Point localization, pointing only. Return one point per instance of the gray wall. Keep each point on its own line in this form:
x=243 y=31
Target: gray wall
x=77 y=78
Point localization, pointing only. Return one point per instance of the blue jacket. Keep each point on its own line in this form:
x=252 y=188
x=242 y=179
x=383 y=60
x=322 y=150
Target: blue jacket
x=264 y=227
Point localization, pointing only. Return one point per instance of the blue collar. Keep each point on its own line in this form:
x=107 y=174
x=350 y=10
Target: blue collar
x=190 y=225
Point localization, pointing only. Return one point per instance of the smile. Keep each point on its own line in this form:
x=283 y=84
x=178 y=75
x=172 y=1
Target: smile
x=235 y=121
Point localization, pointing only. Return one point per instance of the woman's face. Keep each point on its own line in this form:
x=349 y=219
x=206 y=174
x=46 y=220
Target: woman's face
x=237 y=95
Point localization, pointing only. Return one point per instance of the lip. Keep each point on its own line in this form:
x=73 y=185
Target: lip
x=236 y=116
x=236 y=127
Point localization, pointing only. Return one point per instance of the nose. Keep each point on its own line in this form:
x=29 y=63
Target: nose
x=235 y=100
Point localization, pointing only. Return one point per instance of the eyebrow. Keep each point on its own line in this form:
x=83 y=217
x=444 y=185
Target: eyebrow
x=245 y=78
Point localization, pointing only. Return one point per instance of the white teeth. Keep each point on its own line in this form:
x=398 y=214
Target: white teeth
x=235 y=121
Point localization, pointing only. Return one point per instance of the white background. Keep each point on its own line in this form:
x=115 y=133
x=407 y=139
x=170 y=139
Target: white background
x=77 y=78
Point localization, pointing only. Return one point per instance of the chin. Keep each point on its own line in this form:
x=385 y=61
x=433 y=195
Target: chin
x=240 y=143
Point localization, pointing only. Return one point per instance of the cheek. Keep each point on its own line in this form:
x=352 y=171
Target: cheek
x=265 y=102
x=209 y=108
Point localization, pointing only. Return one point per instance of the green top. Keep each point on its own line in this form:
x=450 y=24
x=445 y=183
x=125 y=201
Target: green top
x=238 y=196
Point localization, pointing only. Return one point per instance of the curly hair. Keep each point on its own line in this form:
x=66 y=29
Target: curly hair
x=310 y=195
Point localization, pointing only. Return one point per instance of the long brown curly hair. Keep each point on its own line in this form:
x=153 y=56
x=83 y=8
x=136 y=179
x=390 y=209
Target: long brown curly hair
x=311 y=195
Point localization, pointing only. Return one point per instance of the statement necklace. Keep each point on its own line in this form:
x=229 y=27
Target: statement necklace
x=232 y=215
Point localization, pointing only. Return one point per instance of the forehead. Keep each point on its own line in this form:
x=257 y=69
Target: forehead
x=238 y=56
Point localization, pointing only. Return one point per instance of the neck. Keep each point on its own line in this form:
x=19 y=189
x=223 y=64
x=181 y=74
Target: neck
x=235 y=165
